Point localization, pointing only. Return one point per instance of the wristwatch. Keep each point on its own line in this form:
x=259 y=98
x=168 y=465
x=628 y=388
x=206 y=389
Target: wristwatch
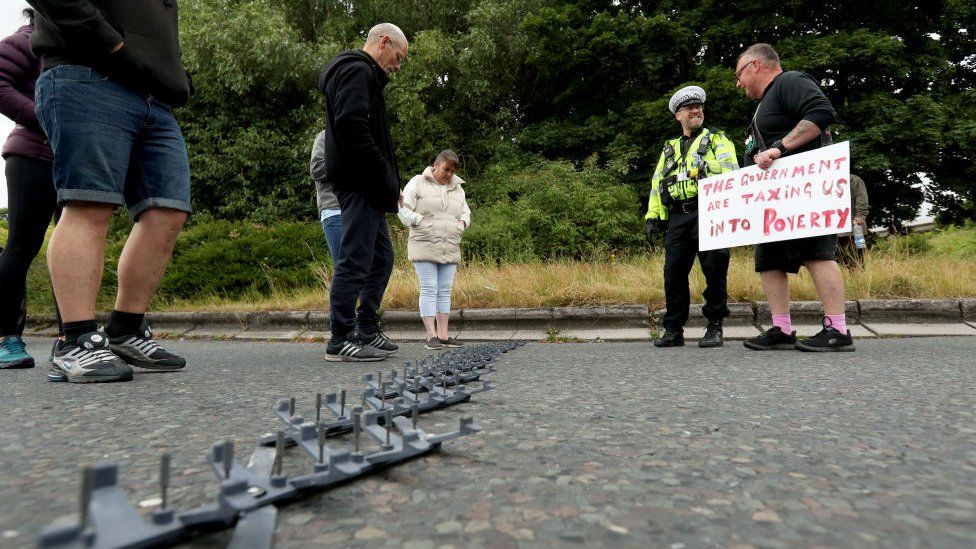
x=778 y=144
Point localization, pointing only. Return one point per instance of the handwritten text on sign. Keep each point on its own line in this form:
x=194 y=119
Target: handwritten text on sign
x=797 y=197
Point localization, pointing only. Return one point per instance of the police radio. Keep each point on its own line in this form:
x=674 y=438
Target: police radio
x=666 y=182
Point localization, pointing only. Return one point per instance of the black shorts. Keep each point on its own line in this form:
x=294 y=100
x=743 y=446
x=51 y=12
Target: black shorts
x=789 y=255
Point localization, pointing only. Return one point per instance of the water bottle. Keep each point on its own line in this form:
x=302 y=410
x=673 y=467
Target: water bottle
x=858 y=233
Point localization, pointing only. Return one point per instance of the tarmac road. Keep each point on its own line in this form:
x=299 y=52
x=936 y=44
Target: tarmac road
x=592 y=444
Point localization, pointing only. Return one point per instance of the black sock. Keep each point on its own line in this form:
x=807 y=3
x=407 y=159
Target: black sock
x=122 y=323
x=72 y=330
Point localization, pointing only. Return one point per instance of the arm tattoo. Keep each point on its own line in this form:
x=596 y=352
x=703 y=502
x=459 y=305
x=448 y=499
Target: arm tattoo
x=801 y=134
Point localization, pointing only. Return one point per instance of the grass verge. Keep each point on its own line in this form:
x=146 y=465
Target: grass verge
x=935 y=265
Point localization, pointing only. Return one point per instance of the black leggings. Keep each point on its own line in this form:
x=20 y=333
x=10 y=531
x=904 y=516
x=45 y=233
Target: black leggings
x=31 y=201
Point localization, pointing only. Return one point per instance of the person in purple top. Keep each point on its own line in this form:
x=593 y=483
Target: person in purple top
x=30 y=188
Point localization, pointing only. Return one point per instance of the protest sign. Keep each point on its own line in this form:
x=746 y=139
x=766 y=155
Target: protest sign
x=797 y=197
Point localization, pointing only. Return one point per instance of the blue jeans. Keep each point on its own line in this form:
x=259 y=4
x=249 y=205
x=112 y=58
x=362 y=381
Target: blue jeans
x=436 y=282
x=332 y=227
x=111 y=145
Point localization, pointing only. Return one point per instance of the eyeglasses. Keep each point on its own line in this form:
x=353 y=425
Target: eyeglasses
x=738 y=73
x=399 y=56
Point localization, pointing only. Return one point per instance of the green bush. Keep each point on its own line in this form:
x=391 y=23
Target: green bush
x=227 y=258
x=910 y=244
x=957 y=242
x=549 y=210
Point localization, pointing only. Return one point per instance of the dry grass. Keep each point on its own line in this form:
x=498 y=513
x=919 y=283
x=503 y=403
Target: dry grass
x=632 y=280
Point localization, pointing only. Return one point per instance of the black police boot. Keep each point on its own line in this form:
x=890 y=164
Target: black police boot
x=671 y=338
x=713 y=335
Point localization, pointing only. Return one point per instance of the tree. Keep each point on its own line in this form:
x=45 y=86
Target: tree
x=505 y=82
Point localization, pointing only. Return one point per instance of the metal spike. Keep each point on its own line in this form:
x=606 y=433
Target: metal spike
x=279 y=453
x=355 y=429
x=228 y=455
x=163 y=480
x=388 y=420
x=413 y=415
x=342 y=404
x=379 y=380
x=291 y=407
x=87 y=480
x=318 y=408
x=321 y=443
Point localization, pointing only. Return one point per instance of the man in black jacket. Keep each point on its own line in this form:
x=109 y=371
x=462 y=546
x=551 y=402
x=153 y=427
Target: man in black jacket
x=112 y=74
x=360 y=163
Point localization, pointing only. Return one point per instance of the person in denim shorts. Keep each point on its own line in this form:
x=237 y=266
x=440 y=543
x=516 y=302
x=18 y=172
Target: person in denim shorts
x=112 y=75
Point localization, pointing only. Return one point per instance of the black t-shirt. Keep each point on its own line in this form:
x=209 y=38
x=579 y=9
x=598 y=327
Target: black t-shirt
x=791 y=96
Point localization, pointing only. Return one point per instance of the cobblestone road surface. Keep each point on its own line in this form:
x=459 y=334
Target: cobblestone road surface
x=588 y=444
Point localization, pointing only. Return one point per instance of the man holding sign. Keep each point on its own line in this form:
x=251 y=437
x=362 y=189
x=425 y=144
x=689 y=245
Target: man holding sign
x=792 y=117
x=673 y=203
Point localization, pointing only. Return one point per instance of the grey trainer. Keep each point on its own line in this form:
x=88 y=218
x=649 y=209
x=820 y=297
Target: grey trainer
x=88 y=360
x=142 y=350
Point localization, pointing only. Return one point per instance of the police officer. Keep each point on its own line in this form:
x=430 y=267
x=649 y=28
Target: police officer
x=673 y=207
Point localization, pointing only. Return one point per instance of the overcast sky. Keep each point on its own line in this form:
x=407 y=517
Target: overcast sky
x=10 y=21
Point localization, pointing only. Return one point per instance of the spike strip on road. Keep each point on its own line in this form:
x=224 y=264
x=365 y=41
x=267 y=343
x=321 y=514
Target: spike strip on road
x=108 y=519
x=429 y=378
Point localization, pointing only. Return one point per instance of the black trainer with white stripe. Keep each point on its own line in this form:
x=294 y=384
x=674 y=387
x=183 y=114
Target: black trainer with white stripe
x=350 y=350
x=142 y=350
x=376 y=338
x=87 y=360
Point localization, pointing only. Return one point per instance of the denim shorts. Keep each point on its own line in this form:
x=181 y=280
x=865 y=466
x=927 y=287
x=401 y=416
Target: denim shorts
x=111 y=145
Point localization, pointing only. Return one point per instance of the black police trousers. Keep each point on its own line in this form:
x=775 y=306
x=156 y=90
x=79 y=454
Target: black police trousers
x=680 y=249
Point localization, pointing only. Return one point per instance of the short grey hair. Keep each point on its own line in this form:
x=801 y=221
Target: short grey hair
x=386 y=29
x=761 y=51
x=447 y=155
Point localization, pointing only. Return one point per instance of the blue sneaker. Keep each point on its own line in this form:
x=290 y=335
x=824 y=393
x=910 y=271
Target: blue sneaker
x=13 y=354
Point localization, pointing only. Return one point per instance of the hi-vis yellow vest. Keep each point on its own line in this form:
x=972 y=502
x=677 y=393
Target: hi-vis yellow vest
x=718 y=157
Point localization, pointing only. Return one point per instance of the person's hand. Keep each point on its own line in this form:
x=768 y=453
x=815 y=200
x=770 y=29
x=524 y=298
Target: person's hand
x=117 y=47
x=651 y=229
x=462 y=225
x=426 y=221
x=765 y=159
x=400 y=200
x=859 y=219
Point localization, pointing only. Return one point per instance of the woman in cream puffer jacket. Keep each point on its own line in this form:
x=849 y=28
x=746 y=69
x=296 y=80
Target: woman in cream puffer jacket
x=436 y=212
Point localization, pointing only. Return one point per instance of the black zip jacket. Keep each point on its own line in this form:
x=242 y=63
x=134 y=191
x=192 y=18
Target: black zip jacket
x=358 y=148
x=83 y=32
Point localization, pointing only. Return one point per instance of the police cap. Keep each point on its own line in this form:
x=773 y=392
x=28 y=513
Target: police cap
x=687 y=95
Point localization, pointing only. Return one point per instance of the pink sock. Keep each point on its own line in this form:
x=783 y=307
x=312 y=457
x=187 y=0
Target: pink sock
x=784 y=323
x=838 y=322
